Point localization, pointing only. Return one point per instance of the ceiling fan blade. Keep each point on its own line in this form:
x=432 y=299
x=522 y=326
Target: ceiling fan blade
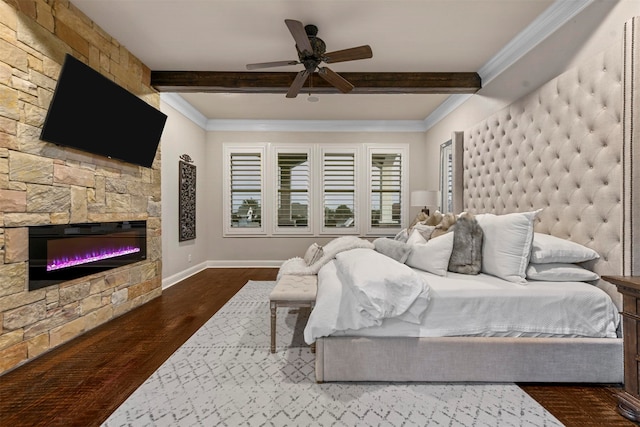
x=270 y=64
x=298 y=82
x=299 y=35
x=335 y=79
x=360 y=52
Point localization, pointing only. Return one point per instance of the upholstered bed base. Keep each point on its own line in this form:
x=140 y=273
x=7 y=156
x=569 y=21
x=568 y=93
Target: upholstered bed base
x=470 y=359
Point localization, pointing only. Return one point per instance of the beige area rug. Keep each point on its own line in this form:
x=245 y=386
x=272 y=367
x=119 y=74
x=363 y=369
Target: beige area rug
x=224 y=375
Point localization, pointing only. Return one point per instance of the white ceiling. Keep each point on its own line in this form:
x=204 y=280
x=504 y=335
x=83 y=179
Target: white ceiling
x=225 y=35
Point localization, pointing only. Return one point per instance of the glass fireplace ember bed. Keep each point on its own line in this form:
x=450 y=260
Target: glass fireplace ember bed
x=58 y=253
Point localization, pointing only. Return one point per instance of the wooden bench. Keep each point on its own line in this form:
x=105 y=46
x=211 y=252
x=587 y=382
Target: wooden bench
x=292 y=291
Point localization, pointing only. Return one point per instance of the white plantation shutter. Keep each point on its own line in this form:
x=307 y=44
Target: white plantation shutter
x=245 y=197
x=339 y=191
x=387 y=183
x=293 y=191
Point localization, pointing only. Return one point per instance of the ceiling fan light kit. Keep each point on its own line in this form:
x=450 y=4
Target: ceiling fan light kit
x=311 y=52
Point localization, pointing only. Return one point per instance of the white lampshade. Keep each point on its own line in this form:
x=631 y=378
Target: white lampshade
x=425 y=198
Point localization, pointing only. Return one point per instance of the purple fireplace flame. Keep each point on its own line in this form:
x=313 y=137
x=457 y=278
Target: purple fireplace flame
x=65 y=262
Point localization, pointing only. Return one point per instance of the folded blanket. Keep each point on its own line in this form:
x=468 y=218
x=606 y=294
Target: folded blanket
x=383 y=288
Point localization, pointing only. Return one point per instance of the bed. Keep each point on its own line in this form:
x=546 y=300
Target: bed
x=564 y=151
x=472 y=327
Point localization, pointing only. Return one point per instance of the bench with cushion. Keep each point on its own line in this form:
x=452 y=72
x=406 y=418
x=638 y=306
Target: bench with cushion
x=291 y=291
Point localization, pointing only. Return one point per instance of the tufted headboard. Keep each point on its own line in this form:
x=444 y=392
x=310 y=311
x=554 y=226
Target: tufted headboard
x=564 y=148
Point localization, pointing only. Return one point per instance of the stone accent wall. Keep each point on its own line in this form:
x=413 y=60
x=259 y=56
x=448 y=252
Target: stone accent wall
x=41 y=183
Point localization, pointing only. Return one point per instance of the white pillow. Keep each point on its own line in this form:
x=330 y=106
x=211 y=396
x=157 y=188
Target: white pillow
x=506 y=244
x=432 y=256
x=551 y=249
x=416 y=238
x=425 y=230
x=313 y=254
x=560 y=272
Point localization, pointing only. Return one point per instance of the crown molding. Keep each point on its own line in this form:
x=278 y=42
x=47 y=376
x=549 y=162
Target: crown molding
x=554 y=17
x=238 y=125
x=183 y=107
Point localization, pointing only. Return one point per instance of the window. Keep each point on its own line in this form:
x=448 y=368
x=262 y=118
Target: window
x=293 y=190
x=314 y=189
x=446 y=176
x=386 y=189
x=244 y=195
x=339 y=191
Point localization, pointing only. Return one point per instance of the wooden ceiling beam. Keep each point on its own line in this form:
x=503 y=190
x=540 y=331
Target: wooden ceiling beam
x=279 y=82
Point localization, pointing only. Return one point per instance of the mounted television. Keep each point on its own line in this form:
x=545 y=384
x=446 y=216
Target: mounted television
x=91 y=113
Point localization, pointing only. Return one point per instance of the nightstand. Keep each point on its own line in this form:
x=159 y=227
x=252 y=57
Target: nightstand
x=629 y=399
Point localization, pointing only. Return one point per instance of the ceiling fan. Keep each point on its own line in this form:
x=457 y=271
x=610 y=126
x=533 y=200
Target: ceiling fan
x=311 y=52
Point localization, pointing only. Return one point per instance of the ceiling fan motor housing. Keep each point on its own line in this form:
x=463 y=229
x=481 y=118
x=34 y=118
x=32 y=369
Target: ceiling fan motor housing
x=313 y=59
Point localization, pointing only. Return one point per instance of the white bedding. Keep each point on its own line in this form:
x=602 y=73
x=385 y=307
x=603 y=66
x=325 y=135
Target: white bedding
x=476 y=305
x=380 y=288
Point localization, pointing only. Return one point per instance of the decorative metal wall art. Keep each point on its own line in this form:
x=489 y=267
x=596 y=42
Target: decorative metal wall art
x=186 y=199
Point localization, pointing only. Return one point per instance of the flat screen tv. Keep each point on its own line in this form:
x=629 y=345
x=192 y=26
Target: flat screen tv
x=92 y=113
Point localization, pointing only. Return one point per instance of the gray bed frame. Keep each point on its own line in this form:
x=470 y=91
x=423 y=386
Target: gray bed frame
x=566 y=148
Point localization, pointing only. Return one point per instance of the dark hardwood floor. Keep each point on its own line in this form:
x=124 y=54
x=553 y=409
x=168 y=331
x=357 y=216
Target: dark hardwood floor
x=82 y=382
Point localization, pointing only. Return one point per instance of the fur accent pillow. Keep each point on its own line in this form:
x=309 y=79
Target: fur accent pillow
x=466 y=257
x=392 y=248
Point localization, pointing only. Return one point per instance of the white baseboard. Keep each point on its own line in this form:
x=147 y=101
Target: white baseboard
x=175 y=278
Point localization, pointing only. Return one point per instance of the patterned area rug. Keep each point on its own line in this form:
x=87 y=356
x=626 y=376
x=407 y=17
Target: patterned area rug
x=224 y=375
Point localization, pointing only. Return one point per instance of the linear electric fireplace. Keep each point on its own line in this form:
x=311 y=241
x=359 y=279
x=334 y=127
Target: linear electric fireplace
x=58 y=253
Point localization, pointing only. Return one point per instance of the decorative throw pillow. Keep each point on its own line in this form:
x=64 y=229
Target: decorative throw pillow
x=547 y=249
x=466 y=257
x=425 y=230
x=560 y=272
x=506 y=244
x=432 y=256
x=447 y=223
x=392 y=248
x=313 y=254
x=416 y=238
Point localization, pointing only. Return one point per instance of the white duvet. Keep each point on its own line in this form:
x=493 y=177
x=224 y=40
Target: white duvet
x=372 y=288
x=473 y=305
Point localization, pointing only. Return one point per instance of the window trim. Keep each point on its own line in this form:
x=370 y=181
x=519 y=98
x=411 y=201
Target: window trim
x=315 y=226
x=228 y=230
x=292 y=149
x=328 y=149
x=403 y=150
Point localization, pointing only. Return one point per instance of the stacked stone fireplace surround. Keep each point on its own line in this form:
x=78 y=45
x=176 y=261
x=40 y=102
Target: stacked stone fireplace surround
x=42 y=184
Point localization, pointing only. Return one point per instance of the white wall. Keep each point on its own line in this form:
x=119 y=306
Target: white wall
x=182 y=136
